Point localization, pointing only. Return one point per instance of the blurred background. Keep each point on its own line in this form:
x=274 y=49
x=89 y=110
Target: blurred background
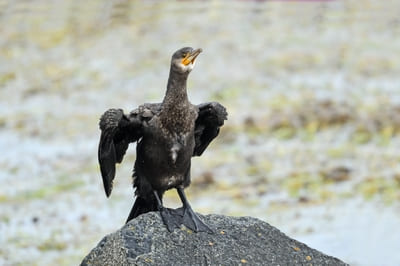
x=312 y=144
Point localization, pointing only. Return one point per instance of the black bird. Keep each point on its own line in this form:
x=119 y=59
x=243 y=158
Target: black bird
x=168 y=134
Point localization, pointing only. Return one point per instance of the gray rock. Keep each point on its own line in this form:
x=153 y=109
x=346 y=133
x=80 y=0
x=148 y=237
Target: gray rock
x=236 y=241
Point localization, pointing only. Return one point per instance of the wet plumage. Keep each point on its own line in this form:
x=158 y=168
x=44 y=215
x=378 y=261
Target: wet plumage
x=168 y=134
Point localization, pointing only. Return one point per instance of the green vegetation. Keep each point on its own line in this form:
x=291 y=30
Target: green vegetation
x=313 y=106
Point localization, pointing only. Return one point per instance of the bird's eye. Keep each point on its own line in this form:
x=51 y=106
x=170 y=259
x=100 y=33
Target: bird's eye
x=184 y=55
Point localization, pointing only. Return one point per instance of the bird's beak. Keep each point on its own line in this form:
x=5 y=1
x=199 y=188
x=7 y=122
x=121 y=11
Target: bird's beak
x=190 y=57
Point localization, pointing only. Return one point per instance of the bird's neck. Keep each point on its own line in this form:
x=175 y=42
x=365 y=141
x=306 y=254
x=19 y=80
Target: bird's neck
x=176 y=111
x=176 y=94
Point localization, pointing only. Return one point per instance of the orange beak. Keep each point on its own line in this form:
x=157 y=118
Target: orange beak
x=191 y=57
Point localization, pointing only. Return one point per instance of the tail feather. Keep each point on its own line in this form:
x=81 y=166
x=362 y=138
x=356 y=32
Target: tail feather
x=141 y=206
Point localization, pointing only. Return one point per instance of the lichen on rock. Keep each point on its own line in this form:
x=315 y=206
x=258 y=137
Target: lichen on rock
x=236 y=241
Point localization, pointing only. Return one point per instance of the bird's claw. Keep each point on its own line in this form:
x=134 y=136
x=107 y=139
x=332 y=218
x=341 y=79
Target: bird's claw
x=172 y=218
x=192 y=221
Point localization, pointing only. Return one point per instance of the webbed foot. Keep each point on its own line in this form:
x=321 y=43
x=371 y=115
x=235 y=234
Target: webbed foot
x=189 y=217
x=192 y=221
x=172 y=218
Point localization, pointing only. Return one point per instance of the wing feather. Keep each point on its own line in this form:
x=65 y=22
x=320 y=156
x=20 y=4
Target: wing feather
x=117 y=131
x=210 y=119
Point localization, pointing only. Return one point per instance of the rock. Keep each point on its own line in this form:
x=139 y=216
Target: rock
x=236 y=241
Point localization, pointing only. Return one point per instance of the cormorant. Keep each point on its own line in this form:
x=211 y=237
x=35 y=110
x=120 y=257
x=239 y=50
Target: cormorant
x=168 y=134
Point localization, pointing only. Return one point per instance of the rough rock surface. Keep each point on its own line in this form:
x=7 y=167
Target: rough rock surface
x=236 y=241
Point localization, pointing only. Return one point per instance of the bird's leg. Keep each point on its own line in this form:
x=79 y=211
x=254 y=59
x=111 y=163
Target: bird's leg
x=171 y=218
x=190 y=218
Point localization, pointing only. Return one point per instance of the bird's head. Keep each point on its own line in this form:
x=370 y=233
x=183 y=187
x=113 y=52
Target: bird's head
x=183 y=60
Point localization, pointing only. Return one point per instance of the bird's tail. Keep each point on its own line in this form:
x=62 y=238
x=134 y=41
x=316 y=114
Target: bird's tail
x=141 y=206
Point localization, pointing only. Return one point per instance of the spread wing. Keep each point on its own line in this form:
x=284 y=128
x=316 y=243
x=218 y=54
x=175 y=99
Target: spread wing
x=210 y=118
x=117 y=132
